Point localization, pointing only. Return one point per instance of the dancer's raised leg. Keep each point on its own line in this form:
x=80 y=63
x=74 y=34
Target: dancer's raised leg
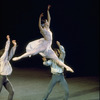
x=60 y=63
x=27 y=54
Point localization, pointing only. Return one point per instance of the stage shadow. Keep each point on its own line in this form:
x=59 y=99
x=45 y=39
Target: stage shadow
x=79 y=93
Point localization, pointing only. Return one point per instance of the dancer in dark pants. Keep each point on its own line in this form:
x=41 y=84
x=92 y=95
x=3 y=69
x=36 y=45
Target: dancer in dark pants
x=5 y=67
x=57 y=73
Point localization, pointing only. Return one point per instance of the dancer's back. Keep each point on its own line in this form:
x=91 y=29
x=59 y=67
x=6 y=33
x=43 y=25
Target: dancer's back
x=47 y=34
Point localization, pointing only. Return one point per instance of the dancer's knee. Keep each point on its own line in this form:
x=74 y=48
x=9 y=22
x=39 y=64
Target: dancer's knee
x=66 y=92
x=11 y=92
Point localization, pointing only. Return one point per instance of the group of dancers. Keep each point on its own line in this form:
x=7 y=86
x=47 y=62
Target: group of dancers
x=40 y=46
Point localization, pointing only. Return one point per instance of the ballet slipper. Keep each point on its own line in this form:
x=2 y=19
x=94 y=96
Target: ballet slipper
x=29 y=55
x=16 y=58
x=70 y=69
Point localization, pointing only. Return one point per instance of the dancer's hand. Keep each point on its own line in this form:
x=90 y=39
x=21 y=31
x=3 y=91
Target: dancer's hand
x=14 y=42
x=69 y=69
x=58 y=43
x=41 y=15
x=49 y=7
x=44 y=59
x=8 y=37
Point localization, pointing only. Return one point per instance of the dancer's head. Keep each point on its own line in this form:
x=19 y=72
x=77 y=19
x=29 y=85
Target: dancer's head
x=57 y=52
x=45 y=23
x=1 y=52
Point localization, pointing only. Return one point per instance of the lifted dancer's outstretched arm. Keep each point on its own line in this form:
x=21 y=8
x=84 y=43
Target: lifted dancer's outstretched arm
x=48 y=15
x=40 y=27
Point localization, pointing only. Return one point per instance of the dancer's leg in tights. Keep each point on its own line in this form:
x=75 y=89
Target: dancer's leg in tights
x=64 y=84
x=60 y=63
x=54 y=57
x=10 y=89
x=27 y=54
x=50 y=86
x=1 y=82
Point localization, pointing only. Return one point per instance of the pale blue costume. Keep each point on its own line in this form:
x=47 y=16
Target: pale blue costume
x=57 y=75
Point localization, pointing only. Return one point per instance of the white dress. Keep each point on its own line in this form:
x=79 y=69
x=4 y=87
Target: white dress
x=42 y=45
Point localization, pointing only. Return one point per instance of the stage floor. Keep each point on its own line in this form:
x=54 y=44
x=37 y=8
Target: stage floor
x=31 y=84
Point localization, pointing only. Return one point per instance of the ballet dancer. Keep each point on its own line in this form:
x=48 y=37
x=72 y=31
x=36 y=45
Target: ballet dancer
x=5 y=67
x=42 y=46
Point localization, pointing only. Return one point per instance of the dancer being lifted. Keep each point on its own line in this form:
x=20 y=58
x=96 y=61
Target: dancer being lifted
x=42 y=46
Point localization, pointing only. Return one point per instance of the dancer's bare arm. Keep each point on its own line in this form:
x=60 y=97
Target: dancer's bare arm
x=40 y=27
x=44 y=59
x=62 y=50
x=14 y=43
x=48 y=14
x=46 y=62
x=7 y=46
x=13 y=49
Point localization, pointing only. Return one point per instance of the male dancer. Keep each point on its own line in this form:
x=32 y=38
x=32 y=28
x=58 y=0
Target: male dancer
x=5 y=67
x=57 y=72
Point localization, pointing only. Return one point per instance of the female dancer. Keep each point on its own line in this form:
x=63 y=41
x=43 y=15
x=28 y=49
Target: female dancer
x=42 y=46
x=5 y=67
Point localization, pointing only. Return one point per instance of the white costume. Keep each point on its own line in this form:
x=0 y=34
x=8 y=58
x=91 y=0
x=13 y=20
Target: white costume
x=5 y=66
x=42 y=45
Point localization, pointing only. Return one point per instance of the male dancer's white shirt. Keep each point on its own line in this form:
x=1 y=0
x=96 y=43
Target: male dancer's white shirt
x=5 y=66
x=54 y=67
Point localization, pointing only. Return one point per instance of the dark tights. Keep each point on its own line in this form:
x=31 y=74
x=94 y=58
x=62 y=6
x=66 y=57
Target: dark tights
x=8 y=86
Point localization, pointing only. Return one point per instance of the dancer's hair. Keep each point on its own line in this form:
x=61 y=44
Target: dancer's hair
x=43 y=22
